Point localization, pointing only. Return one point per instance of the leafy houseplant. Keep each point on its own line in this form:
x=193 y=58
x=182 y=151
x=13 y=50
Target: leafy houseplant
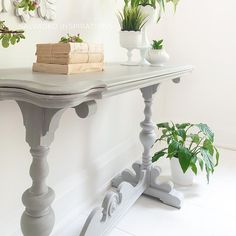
x=131 y=19
x=191 y=144
x=157 y=45
x=154 y=4
x=131 y=22
x=157 y=54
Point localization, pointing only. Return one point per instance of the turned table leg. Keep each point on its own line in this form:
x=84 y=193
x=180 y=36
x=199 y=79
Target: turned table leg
x=40 y=123
x=162 y=191
x=38 y=217
x=147 y=135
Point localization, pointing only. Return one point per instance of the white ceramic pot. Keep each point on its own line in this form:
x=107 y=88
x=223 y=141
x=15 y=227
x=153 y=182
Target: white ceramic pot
x=157 y=57
x=149 y=12
x=178 y=177
x=130 y=39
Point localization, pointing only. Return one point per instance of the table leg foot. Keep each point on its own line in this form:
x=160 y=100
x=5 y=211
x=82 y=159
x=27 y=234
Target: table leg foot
x=165 y=192
x=116 y=203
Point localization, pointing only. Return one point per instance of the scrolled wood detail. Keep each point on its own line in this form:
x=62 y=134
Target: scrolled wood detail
x=86 y=109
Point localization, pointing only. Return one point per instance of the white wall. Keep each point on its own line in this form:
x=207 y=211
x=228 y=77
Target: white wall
x=202 y=33
x=87 y=153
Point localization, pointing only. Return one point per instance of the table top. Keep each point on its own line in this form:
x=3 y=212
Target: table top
x=113 y=80
x=113 y=75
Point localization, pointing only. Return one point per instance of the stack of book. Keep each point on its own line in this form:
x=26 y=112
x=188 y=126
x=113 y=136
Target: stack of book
x=69 y=58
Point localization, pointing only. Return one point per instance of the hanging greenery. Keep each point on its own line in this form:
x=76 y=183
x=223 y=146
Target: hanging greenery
x=11 y=37
x=8 y=36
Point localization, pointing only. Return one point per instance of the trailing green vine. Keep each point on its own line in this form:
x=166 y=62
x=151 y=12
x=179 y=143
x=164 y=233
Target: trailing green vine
x=11 y=37
x=8 y=36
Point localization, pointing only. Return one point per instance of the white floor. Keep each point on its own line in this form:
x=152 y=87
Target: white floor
x=208 y=209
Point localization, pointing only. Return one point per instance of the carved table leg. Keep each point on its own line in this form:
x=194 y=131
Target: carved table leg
x=41 y=124
x=130 y=186
x=163 y=191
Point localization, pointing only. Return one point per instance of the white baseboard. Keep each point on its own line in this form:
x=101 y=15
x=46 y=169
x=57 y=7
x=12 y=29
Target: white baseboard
x=226 y=139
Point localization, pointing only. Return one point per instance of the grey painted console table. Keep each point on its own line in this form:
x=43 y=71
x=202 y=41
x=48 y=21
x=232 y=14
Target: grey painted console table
x=43 y=98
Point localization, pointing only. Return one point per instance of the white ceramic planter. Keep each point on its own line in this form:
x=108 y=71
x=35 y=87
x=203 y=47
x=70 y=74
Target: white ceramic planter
x=150 y=13
x=130 y=40
x=157 y=57
x=178 y=177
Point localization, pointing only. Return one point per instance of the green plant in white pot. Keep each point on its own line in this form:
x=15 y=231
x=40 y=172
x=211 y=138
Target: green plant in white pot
x=153 y=9
x=131 y=22
x=189 y=147
x=157 y=55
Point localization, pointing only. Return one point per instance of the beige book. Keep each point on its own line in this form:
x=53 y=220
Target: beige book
x=67 y=69
x=68 y=48
x=65 y=59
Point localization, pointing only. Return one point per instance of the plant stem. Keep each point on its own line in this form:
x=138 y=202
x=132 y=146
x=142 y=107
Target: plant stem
x=11 y=31
x=194 y=149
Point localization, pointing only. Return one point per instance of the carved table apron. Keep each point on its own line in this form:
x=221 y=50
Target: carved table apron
x=43 y=98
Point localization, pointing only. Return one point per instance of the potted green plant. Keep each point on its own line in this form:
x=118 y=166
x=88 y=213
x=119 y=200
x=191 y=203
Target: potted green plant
x=189 y=147
x=157 y=55
x=153 y=9
x=131 y=22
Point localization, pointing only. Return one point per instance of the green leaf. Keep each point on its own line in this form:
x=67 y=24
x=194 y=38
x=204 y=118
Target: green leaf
x=208 y=160
x=13 y=40
x=185 y=157
x=201 y=163
x=194 y=169
x=207 y=144
x=173 y=148
x=182 y=134
x=6 y=40
x=195 y=138
x=163 y=125
x=217 y=156
x=158 y=155
x=207 y=131
x=183 y=126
